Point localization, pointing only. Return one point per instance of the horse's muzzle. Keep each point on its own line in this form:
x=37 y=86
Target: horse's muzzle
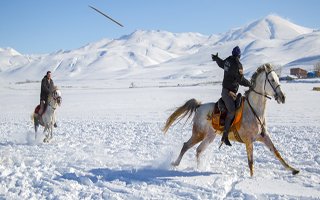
x=280 y=97
x=59 y=100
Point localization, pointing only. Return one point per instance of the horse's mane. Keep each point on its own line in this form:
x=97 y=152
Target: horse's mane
x=265 y=67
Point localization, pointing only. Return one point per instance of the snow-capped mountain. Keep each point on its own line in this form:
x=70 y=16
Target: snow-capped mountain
x=166 y=55
x=268 y=28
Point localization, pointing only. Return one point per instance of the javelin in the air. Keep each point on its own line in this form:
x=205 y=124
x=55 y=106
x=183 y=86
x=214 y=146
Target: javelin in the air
x=106 y=16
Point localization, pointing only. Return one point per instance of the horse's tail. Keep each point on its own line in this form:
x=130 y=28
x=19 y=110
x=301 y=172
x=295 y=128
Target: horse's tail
x=188 y=108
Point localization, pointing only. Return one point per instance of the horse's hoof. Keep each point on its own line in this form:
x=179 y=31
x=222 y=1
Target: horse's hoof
x=295 y=172
x=45 y=140
x=174 y=164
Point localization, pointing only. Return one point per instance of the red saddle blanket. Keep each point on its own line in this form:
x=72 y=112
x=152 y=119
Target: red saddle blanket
x=36 y=110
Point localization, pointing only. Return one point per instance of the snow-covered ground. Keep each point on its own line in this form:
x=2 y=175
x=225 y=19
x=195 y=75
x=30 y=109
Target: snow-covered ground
x=109 y=145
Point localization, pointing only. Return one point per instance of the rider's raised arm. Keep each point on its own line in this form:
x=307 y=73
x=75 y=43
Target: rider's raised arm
x=220 y=63
x=218 y=60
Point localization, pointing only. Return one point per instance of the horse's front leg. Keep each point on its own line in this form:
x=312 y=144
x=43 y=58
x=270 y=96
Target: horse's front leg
x=249 y=148
x=267 y=141
x=51 y=130
x=46 y=134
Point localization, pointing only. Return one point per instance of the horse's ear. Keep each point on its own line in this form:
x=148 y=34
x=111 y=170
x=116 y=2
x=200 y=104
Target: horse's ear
x=268 y=67
x=265 y=67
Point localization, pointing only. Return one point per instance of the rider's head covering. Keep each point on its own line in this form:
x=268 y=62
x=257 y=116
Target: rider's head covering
x=236 y=51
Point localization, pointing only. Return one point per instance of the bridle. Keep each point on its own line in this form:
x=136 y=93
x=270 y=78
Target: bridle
x=265 y=83
x=57 y=99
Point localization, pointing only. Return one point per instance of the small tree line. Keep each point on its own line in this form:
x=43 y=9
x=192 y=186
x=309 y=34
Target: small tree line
x=317 y=66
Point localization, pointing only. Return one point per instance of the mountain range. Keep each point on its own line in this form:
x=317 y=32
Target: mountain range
x=162 y=55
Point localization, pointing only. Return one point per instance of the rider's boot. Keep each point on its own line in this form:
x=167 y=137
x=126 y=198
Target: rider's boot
x=227 y=126
x=225 y=138
x=55 y=125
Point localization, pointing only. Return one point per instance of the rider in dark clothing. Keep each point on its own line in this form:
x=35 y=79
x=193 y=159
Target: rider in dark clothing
x=233 y=76
x=46 y=87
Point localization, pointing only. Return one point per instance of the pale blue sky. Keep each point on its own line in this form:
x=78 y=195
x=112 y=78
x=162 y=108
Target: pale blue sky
x=45 y=26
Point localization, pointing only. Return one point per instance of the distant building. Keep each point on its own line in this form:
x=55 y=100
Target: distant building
x=298 y=72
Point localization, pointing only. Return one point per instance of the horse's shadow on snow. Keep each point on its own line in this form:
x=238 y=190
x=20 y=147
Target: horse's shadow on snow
x=131 y=176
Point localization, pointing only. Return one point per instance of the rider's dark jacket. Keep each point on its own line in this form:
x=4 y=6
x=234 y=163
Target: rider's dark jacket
x=46 y=88
x=233 y=73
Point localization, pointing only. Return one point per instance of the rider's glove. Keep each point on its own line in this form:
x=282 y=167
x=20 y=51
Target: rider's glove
x=214 y=57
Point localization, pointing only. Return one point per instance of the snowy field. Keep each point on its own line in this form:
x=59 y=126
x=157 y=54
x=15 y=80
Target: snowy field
x=109 y=145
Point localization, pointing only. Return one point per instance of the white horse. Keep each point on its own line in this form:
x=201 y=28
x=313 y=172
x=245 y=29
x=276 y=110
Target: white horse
x=48 y=118
x=253 y=125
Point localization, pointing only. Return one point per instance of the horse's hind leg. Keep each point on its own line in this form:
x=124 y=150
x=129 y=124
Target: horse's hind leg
x=36 y=126
x=267 y=141
x=205 y=143
x=35 y=131
x=195 y=138
x=249 y=148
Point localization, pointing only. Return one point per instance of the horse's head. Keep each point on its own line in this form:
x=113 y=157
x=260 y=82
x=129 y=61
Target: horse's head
x=266 y=82
x=56 y=95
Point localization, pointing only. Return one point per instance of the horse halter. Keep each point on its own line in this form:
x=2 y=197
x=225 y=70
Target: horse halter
x=272 y=86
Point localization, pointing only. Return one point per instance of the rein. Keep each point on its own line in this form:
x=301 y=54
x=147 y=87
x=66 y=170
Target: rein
x=256 y=115
x=54 y=108
x=261 y=94
x=54 y=101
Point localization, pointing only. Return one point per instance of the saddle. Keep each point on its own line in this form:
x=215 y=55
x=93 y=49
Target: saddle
x=37 y=109
x=220 y=112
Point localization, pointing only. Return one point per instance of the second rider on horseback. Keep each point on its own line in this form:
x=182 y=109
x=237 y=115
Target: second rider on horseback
x=47 y=86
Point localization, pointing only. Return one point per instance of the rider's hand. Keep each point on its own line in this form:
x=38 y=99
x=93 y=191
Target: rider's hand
x=233 y=95
x=214 y=57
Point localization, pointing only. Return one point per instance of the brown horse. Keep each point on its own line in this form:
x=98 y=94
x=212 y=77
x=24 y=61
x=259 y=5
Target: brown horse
x=265 y=83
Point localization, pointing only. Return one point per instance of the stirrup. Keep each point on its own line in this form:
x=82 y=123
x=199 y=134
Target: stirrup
x=221 y=143
x=225 y=141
